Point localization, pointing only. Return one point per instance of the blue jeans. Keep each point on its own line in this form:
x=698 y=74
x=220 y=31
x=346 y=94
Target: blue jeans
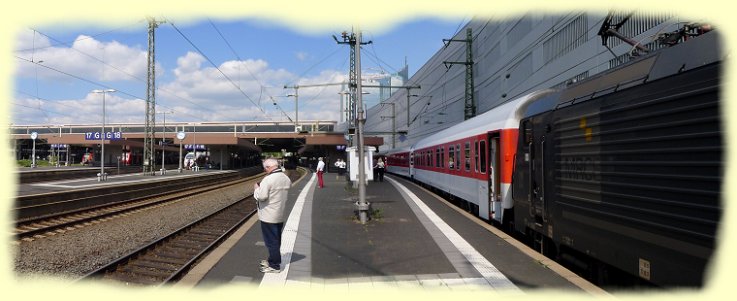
x=272 y=240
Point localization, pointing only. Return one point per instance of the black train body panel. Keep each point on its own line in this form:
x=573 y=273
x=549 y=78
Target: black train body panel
x=627 y=167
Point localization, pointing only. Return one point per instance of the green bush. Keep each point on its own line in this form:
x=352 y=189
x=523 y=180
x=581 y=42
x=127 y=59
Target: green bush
x=27 y=163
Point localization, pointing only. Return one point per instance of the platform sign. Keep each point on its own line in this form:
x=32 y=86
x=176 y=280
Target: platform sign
x=108 y=135
x=193 y=146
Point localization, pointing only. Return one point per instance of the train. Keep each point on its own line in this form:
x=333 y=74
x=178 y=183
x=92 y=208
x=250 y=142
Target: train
x=618 y=174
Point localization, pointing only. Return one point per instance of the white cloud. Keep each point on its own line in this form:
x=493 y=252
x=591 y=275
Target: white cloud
x=203 y=91
x=86 y=57
x=29 y=40
x=196 y=91
x=87 y=110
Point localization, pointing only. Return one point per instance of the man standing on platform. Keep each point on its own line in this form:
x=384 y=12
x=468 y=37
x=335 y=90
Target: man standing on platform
x=271 y=197
x=320 y=169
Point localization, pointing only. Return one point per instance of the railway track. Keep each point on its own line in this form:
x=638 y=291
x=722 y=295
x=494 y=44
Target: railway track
x=167 y=259
x=37 y=228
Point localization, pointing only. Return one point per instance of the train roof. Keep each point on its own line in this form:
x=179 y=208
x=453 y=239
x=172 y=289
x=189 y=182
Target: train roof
x=399 y=150
x=501 y=117
x=694 y=53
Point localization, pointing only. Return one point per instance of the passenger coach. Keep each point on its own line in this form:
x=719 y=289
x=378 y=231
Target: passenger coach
x=471 y=161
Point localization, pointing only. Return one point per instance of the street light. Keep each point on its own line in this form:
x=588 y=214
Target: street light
x=102 y=176
x=180 y=135
x=163 y=144
x=34 y=135
x=194 y=146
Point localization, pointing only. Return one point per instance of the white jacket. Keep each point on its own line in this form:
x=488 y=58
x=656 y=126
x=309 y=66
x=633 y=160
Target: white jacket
x=271 y=197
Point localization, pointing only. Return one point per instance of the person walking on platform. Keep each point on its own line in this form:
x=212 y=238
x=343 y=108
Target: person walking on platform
x=340 y=164
x=379 y=167
x=271 y=197
x=320 y=169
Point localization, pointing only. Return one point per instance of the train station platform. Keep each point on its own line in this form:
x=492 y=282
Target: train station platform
x=114 y=177
x=414 y=240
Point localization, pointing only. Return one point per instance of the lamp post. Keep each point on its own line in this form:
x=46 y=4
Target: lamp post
x=102 y=176
x=34 y=135
x=163 y=144
x=180 y=135
x=194 y=145
x=296 y=108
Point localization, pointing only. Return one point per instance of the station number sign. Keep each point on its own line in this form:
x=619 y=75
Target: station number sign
x=108 y=135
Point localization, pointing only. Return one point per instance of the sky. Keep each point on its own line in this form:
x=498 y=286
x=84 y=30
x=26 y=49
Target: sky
x=280 y=42
x=207 y=69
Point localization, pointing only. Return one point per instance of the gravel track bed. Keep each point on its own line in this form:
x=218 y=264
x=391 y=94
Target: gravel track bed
x=75 y=253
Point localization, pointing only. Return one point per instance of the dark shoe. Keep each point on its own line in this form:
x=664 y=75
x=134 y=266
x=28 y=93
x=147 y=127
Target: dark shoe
x=268 y=269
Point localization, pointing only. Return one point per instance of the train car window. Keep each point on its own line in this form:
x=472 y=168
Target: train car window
x=429 y=158
x=476 y=155
x=451 y=157
x=467 y=153
x=482 y=156
x=458 y=157
x=437 y=157
x=442 y=157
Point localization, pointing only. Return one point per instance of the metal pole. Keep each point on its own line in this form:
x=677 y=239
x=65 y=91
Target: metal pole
x=194 y=147
x=33 y=154
x=408 y=109
x=394 y=125
x=102 y=141
x=163 y=145
x=340 y=118
x=180 y=155
x=102 y=176
x=296 y=108
x=362 y=204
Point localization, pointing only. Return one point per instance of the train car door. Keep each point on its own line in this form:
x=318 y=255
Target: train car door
x=411 y=171
x=537 y=166
x=495 y=200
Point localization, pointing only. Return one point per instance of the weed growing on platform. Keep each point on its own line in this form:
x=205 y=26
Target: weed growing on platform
x=376 y=214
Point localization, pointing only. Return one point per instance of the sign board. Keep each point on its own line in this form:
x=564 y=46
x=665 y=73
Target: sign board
x=193 y=146
x=368 y=162
x=108 y=136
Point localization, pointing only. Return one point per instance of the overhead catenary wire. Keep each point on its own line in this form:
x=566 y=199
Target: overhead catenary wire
x=122 y=71
x=82 y=39
x=217 y=68
x=94 y=83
